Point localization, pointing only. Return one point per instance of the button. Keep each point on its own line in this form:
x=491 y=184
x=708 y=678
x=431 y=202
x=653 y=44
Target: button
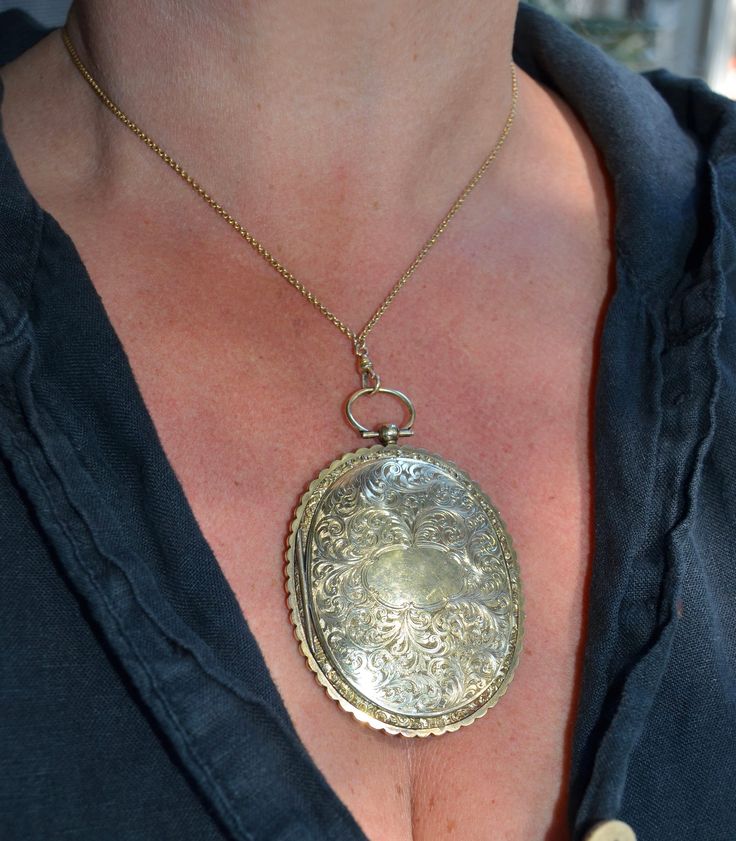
x=610 y=831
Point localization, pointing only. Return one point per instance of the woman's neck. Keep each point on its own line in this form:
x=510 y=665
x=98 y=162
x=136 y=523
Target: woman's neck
x=381 y=99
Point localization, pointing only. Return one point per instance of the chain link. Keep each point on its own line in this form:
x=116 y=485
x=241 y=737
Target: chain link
x=358 y=340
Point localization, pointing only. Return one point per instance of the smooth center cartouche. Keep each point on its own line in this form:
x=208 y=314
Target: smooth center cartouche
x=420 y=576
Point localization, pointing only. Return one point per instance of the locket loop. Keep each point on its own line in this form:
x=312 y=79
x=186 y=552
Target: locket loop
x=387 y=433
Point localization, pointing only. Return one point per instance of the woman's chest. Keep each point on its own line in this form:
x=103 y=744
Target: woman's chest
x=246 y=426
x=505 y=775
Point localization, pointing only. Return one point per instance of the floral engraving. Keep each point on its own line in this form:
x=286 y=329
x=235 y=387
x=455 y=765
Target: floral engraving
x=409 y=585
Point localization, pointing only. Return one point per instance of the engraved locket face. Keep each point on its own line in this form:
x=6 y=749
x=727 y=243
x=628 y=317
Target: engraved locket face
x=404 y=591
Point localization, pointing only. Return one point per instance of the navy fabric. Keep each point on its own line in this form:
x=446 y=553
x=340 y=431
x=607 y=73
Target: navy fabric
x=134 y=702
x=18 y=32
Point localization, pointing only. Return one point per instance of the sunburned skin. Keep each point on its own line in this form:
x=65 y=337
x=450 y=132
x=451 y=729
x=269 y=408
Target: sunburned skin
x=495 y=338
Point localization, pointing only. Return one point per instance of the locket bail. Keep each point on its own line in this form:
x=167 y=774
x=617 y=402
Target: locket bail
x=387 y=433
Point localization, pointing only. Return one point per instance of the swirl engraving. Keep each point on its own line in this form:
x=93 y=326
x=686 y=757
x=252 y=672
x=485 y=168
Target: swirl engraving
x=409 y=587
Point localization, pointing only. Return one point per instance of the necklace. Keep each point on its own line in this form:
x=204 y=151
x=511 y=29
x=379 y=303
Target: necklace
x=402 y=583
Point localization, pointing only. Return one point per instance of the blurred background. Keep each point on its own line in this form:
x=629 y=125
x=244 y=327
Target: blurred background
x=689 y=37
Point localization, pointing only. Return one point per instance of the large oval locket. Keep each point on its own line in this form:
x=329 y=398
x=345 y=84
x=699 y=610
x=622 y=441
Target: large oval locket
x=404 y=591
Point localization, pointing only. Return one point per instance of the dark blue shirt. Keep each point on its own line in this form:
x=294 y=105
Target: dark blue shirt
x=134 y=702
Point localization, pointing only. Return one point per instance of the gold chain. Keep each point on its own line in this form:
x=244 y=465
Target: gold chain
x=358 y=339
